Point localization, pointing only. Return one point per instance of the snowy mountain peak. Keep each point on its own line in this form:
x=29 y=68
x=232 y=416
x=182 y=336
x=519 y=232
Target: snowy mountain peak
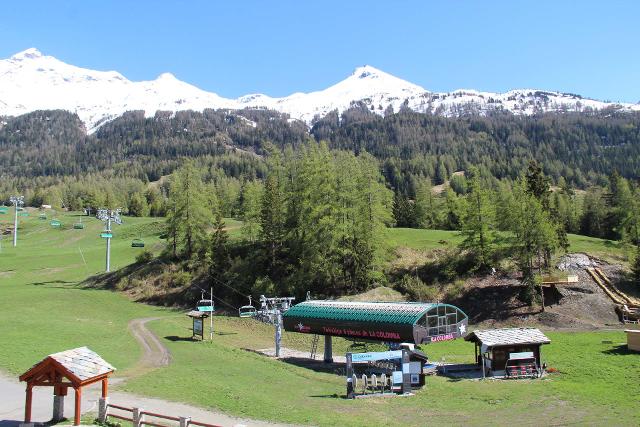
x=367 y=71
x=166 y=76
x=32 y=81
x=31 y=53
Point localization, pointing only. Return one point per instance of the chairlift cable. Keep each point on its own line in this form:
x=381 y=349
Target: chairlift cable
x=230 y=287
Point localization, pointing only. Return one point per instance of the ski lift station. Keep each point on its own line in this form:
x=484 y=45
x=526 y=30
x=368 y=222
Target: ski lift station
x=390 y=322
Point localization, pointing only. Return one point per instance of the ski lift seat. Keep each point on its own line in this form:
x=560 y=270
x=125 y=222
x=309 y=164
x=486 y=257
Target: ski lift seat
x=55 y=223
x=78 y=226
x=247 y=311
x=137 y=243
x=43 y=216
x=205 y=305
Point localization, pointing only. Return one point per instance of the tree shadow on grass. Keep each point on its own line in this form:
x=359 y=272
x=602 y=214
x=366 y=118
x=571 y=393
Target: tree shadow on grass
x=50 y=282
x=619 y=350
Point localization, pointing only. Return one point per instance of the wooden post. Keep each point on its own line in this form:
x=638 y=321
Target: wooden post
x=105 y=387
x=76 y=420
x=27 y=405
x=484 y=373
x=475 y=352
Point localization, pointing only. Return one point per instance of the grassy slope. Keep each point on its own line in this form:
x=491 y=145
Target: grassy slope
x=433 y=239
x=42 y=310
x=597 y=383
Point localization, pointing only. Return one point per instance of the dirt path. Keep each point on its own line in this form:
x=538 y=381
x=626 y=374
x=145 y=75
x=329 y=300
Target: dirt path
x=154 y=353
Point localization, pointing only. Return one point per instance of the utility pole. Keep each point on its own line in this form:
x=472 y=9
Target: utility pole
x=108 y=215
x=16 y=201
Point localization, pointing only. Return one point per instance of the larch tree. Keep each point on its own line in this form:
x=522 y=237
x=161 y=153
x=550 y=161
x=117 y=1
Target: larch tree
x=478 y=220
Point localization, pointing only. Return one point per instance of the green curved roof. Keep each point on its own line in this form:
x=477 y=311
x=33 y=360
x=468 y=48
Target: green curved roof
x=386 y=312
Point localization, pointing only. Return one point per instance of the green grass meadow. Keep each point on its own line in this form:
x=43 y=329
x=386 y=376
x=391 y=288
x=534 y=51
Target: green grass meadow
x=44 y=309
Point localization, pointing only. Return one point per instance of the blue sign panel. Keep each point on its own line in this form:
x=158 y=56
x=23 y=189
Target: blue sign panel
x=377 y=355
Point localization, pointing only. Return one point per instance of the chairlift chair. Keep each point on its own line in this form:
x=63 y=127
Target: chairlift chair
x=4 y=210
x=43 y=216
x=78 y=225
x=247 y=310
x=24 y=213
x=205 y=305
x=137 y=243
x=55 y=223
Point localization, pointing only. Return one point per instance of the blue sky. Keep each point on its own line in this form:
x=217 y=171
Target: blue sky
x=278 y=47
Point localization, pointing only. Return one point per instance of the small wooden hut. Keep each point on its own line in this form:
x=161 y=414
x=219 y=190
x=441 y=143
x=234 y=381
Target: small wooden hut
x=74 y=368
x=494 y=348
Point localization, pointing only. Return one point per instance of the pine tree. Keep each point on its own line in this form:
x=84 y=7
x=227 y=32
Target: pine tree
x=538 y=184
x=534 y=233
x=272 y=230
x=138 y=205
x=477 y=222
x=250 y=210
x=425 y=205
x=190 y=213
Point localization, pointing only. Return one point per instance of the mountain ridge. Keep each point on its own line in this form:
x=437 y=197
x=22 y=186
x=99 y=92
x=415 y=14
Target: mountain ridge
x=30 y=80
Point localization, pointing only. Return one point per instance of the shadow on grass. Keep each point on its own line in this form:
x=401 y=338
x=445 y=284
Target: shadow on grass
x=51 y=282
x=330 y=396
x=174 y=338
x=619 y=350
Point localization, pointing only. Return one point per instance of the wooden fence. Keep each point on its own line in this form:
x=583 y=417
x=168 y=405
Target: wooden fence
x=138 y=417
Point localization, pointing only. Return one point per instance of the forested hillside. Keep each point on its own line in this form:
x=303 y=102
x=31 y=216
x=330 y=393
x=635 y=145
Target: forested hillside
x=48 y=156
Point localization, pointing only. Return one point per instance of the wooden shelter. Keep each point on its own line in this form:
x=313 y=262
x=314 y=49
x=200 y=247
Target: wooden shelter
x=494 y=348
x=74 y=368
x=198 y=322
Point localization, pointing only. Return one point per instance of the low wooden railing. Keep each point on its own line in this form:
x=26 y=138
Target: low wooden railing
x=137 y=417
x=121 y=408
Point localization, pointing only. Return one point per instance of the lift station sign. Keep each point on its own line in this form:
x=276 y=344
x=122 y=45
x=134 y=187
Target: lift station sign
x=378 y=355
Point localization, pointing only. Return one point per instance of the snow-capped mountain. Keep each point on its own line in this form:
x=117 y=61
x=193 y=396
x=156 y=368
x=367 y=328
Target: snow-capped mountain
x=32 y=81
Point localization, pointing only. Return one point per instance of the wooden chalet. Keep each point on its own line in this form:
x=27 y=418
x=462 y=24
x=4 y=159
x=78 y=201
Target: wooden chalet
x=495 y=347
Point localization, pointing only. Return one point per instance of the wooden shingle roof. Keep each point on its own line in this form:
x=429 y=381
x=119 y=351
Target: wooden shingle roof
x=80 y=365
x=508 y=336
x=83 y=363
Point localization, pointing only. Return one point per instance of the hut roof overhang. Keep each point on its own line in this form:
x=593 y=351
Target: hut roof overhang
x=508 y=336
x=80 y=366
